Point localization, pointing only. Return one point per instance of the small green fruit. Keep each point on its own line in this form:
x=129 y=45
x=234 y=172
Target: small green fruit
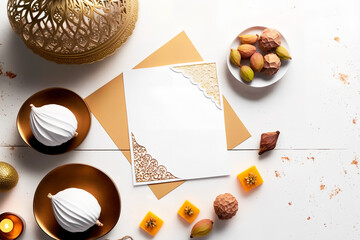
x=246 y=73
x=202 y=228
x=283 y=53
x=235 y=57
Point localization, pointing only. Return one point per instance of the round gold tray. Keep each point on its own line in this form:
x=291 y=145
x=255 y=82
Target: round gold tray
x=61 y=97
x=84 y=177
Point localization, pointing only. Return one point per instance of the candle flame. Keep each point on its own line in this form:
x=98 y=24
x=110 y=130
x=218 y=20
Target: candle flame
x=6 y=225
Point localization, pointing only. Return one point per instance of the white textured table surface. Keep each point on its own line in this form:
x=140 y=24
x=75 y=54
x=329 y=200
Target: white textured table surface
x=316 y=112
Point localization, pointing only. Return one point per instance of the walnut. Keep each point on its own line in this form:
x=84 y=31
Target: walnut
x=225 y=206
x=271 y=64
x=269 y=40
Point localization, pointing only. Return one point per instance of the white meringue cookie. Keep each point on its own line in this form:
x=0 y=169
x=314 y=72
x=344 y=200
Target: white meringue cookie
x=75 y=209
x=52 y=124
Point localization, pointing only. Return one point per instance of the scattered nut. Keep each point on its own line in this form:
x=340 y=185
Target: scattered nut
x=272 y=64
x=268 y=141
x=246 y=50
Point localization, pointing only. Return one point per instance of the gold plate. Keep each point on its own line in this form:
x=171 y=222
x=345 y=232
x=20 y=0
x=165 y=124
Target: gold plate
x=63 y=97
x=84 y=177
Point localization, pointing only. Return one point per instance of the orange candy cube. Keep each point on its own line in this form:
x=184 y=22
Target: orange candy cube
x=250 y=178
x=188 y=211
x=151 y=223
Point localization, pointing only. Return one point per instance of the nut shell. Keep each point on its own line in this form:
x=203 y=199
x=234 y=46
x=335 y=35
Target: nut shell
x=268 y=141
x=225 y=206
x=250 y=38
x=272 y=64
x=257 y=62
x=246 y=50
x=202 y=228
x=246 y=73
x=269 y=40
x=283 y=53
x=235 y=57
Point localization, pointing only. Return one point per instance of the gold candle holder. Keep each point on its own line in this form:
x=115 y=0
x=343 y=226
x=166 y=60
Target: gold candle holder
x=11 y=226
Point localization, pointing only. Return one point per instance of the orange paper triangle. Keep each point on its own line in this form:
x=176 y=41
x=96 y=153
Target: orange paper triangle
x=236 y=132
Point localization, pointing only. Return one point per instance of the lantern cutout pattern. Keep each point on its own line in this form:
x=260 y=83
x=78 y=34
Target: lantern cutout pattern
x=73 y=31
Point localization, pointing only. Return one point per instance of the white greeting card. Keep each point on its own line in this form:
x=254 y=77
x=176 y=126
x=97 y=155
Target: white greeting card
x=176 y=123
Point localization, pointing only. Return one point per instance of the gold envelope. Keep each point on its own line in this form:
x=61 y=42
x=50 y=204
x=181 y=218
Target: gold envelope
x=108 y=104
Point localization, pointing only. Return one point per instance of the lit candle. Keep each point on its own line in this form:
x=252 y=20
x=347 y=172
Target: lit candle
x=6 y=225
x=11 y=226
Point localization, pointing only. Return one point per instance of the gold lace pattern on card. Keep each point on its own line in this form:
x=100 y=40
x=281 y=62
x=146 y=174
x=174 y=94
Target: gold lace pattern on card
x=147 y=168
x=203 y=75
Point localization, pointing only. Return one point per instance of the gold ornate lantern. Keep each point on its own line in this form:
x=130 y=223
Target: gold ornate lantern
x=73 y=31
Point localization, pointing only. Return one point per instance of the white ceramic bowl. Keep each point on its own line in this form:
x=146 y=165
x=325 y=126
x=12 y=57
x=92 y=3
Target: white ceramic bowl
x=260 y=79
